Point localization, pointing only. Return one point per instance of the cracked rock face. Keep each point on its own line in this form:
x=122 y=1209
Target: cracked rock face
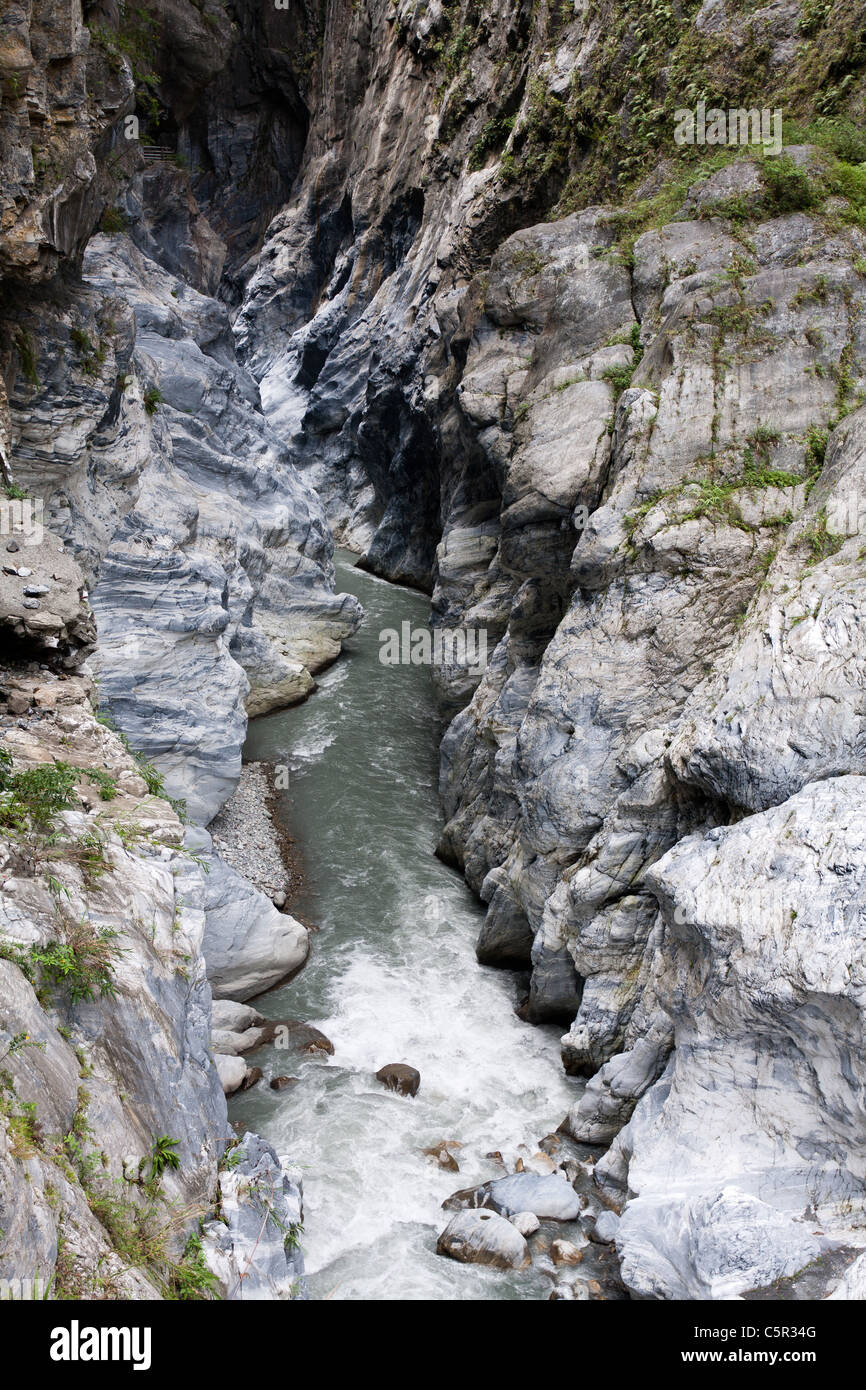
x=43 y=609
x=211 y=560
x=119 y=1068
x=60 y=97
x=633 y=463
x=785 y=706
x=706 y=669
x=744 y=1163
x=254 y=1258
x=641 y=506
x=220 y=577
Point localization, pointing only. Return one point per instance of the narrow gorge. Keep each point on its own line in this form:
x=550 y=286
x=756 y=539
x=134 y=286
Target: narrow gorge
x=433 y=613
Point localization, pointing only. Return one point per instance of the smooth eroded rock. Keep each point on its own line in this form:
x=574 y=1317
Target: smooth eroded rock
x=482 y=1237
x=397 y=1076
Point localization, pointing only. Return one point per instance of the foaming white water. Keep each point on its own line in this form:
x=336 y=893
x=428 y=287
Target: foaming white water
x=487 y=1081
x=393 y=978
x=308 y=749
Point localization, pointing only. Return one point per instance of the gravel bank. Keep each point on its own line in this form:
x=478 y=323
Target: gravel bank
x=248 y=837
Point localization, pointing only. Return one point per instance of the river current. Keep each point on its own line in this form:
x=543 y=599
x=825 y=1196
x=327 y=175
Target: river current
x=392 y=977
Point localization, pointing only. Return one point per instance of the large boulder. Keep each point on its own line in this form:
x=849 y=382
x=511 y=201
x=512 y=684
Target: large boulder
x=232 y=1072
x=397 y=1076
x=550 y=1197
x=249 y=946
x=483 y=1238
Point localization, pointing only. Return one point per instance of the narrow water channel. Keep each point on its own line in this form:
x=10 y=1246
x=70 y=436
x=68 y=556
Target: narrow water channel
x=392 y=977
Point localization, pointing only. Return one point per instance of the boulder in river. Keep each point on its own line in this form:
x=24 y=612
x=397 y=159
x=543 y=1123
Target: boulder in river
x=397 y=1076
x=231 y=1071
x=550 y=1197
x=224 y=1040
x=539 y=1163
x=294 y=1036
x=604 y=1228
x=233 y=1016
x=249 y=946
x=526 y=1222
x=443 y=1156
x=565 y=1252
x=482 y=1237
x=283 y=1083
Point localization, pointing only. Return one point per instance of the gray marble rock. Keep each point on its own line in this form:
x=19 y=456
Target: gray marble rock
x=784 y=706
x=117 y=1067
x=249 y=946
x=254 y=1248
x=232 y=1071
x=548 y=1196
x=482 y=1237
x=750 y=1143
x=216 y=576
x=234 y=1016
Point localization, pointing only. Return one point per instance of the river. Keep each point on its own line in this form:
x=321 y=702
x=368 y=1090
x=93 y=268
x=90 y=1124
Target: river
x=392 y=977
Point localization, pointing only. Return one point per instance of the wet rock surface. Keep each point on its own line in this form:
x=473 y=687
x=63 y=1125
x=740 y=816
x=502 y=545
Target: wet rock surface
x=482 y=1237
x=548 y=1197
x=635 y=462
x=397 y=1076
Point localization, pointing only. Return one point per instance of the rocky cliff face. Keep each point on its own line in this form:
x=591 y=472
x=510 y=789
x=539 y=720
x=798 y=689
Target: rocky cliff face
x=139 y=473
x=705 y=673
x=635 y=429
x=602 y=396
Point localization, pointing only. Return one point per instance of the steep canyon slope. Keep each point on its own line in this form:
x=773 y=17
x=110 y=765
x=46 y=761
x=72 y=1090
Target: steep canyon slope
x=437 y=278
x=164 y=564
x=623 y=390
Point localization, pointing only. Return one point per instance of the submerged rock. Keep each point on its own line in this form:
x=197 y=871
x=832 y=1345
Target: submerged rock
x=294 y=1036
x=482 y=1237
x=565 y=1252
x=443 y=1156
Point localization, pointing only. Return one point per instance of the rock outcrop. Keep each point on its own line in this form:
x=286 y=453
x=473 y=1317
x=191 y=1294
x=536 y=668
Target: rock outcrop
x=113 y=1118
x=636 y=433
x=603 y=398
x=253 y=1248
x=138 y=471
x=211 y=562
x=632 y=432
x=744 y=1162
x=482 y=1237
